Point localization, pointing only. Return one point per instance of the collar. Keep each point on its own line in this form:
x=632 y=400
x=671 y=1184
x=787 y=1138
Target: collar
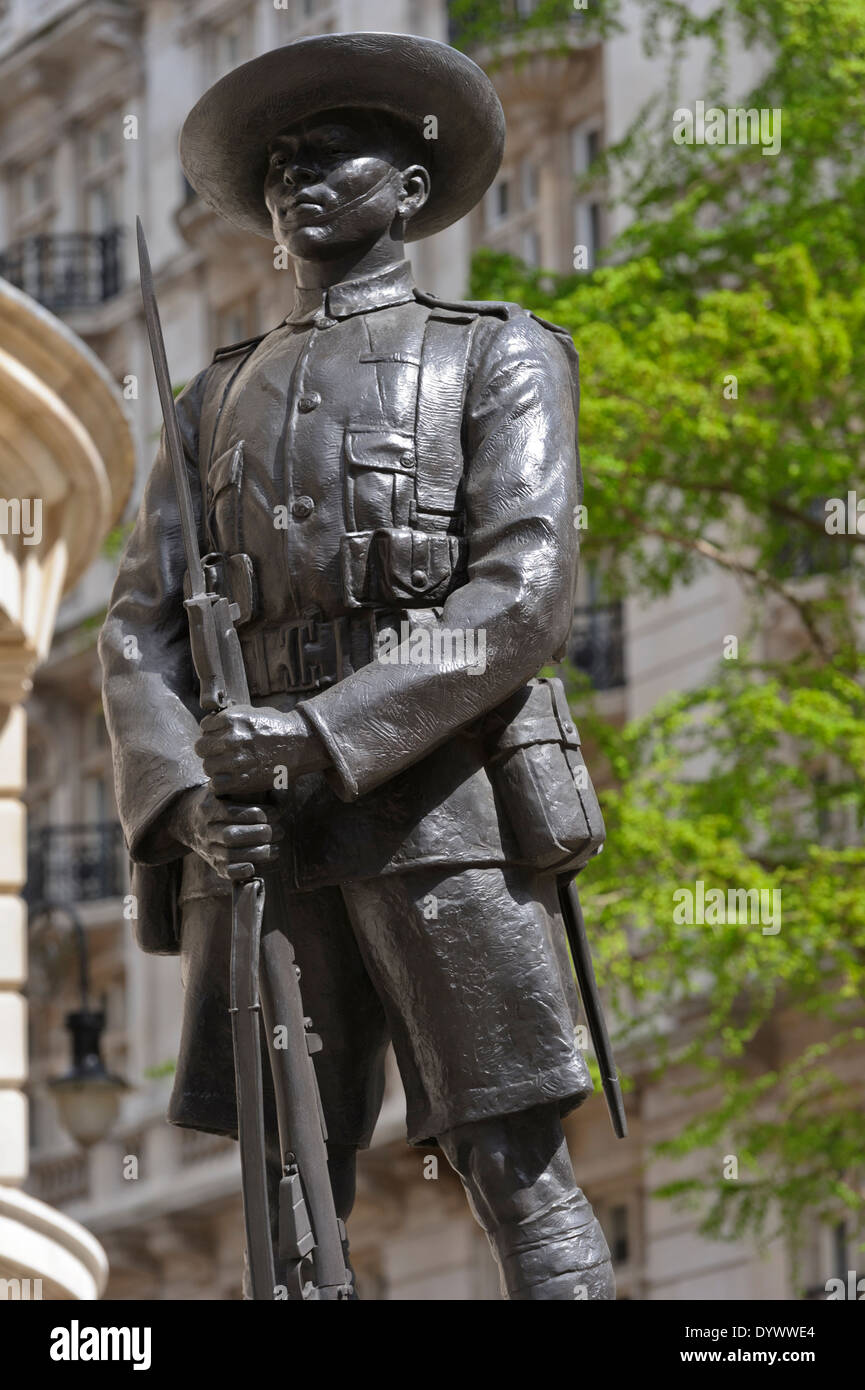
x=392 y=286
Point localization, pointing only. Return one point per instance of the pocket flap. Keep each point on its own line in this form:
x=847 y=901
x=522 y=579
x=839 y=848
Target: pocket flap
x=538 y=713
x=390 y=451
x=399 y=565
x=416 y=563
x=226 y=470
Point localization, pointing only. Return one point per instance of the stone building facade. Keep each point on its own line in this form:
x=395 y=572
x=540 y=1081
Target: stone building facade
x=92 y=95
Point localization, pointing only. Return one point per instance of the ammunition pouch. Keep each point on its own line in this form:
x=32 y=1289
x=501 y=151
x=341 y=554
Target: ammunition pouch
x=156 y=921
x=537 y=770
x=231 y=577
x=400 y=565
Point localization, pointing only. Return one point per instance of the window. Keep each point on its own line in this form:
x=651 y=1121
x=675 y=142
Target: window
x=498 y=203
x=235 y=322
x=530 y=247
x=585 y=146
x=619 y=1244
x=587 y=227
x=530 y=183
x=33 y=198
x=96 y=799
x=229 y=44
x=102 y=167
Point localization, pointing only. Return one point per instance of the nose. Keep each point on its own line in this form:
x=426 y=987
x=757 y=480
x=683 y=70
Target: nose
x=299 y=172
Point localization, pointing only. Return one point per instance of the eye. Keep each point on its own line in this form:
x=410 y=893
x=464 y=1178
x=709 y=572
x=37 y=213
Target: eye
x=277 y=159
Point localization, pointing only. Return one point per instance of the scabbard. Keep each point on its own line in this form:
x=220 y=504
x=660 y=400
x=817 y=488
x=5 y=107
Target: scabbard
x=247 y=911
x=572 y=913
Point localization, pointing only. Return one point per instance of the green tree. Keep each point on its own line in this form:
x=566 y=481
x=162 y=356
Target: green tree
x=721 y=351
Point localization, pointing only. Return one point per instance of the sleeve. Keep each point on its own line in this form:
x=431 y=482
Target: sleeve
x=522 y=485
x=149 y=690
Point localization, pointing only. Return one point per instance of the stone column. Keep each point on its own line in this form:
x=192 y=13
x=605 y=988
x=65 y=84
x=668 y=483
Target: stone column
x=66 y=469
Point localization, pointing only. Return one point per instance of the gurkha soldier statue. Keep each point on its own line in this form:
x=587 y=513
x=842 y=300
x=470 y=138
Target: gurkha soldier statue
x=339 y=774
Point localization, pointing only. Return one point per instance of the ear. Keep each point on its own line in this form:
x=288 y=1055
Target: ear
x=415 y=190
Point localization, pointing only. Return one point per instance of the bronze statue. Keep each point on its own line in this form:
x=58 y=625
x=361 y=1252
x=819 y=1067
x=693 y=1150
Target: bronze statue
x=383 y=490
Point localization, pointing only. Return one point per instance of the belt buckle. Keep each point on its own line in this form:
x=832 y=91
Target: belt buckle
x=285 y=672
x=309 y=625
x=317 y=670
x=312 y=652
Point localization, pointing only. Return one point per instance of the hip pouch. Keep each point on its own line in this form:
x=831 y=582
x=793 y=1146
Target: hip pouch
x=537 y=770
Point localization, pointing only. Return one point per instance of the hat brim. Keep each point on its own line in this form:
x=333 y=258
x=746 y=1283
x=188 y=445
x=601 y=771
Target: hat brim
x=223 y=143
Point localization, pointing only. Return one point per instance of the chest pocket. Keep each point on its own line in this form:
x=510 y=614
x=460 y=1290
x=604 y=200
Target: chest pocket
x=403 y=499
x=380 y=470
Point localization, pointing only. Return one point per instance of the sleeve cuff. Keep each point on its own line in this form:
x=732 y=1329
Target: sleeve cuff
x=339 y=775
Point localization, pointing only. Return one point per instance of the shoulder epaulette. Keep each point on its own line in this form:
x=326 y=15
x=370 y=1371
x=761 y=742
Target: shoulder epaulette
x=553 y=327
x=501 y=308
x=467 y=308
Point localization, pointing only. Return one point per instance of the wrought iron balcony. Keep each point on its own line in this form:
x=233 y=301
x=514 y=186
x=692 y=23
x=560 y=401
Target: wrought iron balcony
x=66 y=270
x=596 y=645
x=75 y=863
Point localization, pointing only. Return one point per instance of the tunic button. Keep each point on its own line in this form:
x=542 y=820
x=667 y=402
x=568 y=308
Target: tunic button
x=419 y=579
x=309 y=402
x=301 y=507
x=407 y=460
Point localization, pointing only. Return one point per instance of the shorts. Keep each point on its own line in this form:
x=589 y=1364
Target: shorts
x=466 y=973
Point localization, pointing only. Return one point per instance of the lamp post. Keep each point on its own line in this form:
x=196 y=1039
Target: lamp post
x=87 y=1096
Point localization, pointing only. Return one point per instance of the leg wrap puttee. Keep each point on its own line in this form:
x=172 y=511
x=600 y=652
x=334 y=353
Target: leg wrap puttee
x=559 y=1253
x=520 y=1185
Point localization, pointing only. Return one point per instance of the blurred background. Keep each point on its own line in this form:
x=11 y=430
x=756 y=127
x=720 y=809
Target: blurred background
x=92 y=97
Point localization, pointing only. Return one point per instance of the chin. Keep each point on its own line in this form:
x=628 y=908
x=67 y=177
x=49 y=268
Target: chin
x=306 y=242
x=322 y=242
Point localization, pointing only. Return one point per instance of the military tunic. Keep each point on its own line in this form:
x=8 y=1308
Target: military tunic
x=413 y=916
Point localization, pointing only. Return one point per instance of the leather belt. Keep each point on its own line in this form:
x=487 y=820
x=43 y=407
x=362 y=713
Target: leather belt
x=310 y=653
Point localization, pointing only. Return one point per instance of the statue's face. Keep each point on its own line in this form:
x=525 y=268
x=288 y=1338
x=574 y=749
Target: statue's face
x=338 y=181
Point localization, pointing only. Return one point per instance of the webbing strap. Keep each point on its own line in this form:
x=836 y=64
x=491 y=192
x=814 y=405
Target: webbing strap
x=441 y=393
x=216 y=390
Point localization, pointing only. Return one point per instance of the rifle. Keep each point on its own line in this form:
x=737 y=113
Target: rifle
x=264 y=980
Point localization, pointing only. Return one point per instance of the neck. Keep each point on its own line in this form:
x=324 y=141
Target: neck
x=354 y=265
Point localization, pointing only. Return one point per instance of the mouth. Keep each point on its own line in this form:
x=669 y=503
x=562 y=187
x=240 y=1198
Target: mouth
x=302 y=208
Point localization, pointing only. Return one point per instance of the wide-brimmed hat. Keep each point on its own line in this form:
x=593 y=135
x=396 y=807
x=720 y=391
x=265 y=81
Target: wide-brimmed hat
x=223 y=144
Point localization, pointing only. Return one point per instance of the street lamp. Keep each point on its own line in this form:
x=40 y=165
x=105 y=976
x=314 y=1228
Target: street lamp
x=87 y=1096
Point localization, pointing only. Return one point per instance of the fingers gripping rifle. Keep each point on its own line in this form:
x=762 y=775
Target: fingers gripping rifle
x=310 y=1234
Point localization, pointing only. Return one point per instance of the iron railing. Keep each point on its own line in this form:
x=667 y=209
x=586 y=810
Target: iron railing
x=66 y=270
x=75 y=863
